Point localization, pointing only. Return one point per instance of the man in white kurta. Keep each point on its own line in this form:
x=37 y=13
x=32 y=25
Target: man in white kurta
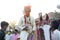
x=56 y=35
x=46 y=29
x=21 y=24
x=27 y=20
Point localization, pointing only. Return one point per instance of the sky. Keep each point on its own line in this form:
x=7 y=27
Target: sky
x=12 y=10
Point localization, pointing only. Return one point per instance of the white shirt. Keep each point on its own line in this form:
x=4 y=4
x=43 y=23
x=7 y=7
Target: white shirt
x=21 y=23
x=8 y=37
x=24 y=35
x=46 y=29
x=56 y=35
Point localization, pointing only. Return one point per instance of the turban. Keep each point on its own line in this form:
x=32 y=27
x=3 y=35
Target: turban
x=27 y=8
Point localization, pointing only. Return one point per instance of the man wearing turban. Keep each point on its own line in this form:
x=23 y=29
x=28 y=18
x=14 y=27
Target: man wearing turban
x=28 y=22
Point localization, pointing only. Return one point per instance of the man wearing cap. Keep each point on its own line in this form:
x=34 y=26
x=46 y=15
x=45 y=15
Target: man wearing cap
x=27 y=21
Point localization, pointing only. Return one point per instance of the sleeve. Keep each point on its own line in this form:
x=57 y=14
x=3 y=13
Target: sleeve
x=20 y=25
x=21 y=34
x=56 y=36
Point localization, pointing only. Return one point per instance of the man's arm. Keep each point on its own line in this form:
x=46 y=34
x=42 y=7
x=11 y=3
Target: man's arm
x=20 y=24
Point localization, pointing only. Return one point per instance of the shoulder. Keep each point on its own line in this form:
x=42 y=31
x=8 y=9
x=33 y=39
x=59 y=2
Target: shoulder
x=56 y=32
x=46 y=26
x=21 y=17
x=49 y=26
x=32 y=19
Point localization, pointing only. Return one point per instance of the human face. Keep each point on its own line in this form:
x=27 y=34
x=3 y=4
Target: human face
x=5 y=27
x=27 y=11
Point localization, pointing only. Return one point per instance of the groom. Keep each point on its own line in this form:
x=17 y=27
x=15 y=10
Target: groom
x=28 y=21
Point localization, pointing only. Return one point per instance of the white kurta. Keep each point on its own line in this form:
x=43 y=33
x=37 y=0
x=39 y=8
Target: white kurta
x=21 y=26
x=46 y=29
x=21 y=23
x=56 y=35
x=24 y=35
x=8 y=37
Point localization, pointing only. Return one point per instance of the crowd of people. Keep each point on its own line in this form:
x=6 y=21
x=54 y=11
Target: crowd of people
x=32 y=29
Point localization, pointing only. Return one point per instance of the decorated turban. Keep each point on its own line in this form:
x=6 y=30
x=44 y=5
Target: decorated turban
x=27 y=8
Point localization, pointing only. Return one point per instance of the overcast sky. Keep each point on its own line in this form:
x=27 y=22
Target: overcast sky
x=12 y=10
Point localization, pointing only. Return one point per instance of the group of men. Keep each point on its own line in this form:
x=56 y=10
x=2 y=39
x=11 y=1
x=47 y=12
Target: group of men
x=30 y=31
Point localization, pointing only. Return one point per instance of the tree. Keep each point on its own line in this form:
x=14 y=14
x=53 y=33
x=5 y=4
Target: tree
x=56 y=15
